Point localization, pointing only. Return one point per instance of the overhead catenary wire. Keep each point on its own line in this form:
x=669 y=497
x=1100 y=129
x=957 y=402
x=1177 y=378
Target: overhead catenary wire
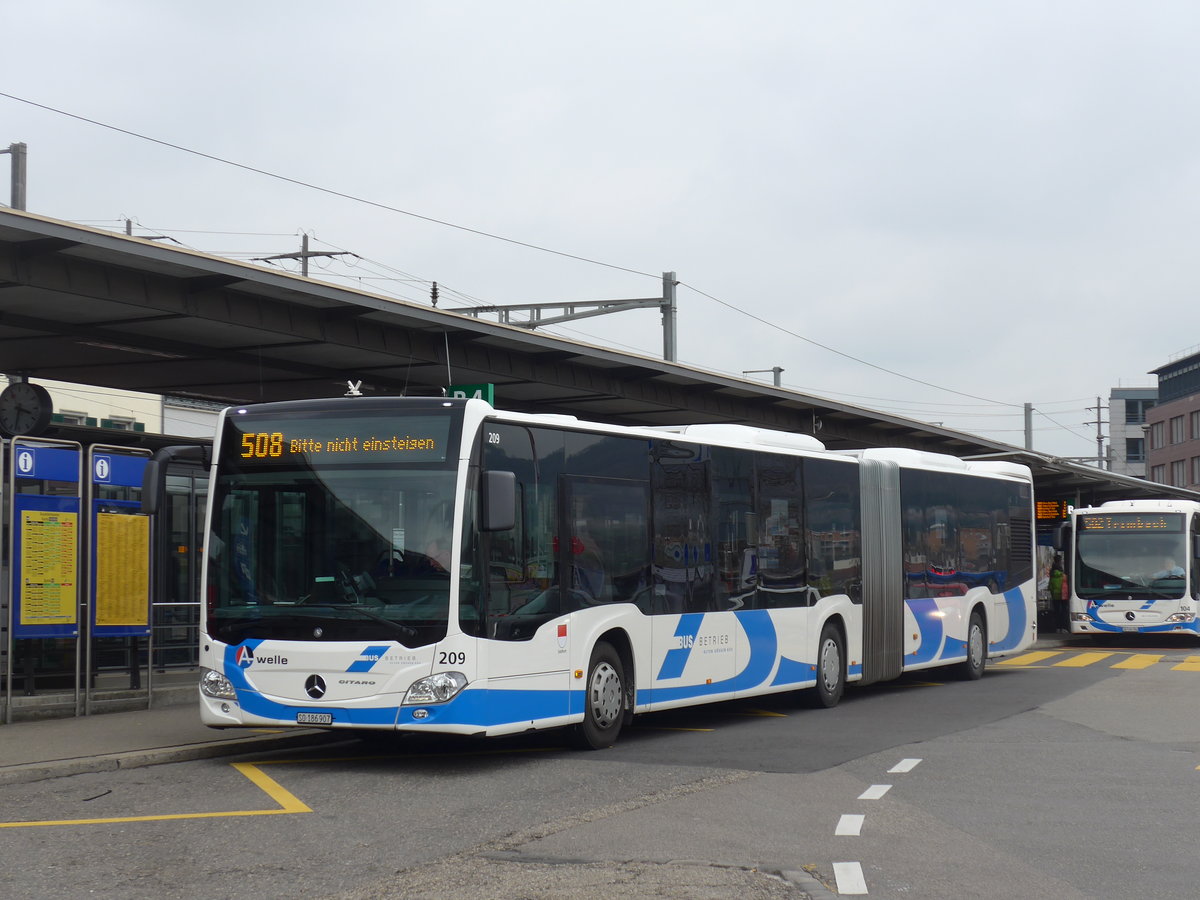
x=315 y=187
x=513 y=241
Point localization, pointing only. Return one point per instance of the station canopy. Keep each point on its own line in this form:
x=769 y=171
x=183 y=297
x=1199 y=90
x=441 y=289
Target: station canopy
x=96 y=308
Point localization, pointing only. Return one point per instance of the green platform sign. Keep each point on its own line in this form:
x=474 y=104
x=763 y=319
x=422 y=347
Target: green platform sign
x=485 y=392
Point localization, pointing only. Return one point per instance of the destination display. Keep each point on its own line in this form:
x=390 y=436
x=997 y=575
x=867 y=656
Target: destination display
x=1052 y=510
x=1162 y=522
x=337 y=440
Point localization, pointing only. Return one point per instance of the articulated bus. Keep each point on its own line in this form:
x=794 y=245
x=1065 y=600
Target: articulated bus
x=1132 y=567
x=436 y=565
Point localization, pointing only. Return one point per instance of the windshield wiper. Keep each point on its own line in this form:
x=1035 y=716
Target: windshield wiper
x=1107 y=578
x=406 y=630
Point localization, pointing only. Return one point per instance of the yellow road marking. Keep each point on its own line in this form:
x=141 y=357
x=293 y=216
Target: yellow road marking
x=289 y=804
x=1139 y=661
x=762 y=712
x=1029 y=659
x=670 y=728
x=1087 y=658
x=1079 y=660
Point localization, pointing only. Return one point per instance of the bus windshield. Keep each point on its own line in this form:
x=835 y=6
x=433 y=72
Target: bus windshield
x=314 y=544
x=1115 y=558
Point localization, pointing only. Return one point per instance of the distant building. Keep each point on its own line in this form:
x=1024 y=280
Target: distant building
x=1173 y=424
x=1127 y=408
x=97 y=407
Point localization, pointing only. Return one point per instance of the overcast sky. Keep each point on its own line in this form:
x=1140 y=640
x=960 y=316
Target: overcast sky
x=937 y=210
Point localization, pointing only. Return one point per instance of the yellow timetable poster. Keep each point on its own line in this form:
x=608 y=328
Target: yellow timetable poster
x=122 y=569
x=49 y=580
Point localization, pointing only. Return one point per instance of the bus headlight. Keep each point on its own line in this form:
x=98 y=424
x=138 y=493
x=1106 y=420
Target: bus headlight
x=1181 y=617
x=435 y=688
x=214 y=684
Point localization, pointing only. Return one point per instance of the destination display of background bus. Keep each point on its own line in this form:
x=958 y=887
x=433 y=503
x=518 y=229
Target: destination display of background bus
x=1132 y=567
x=436 y=565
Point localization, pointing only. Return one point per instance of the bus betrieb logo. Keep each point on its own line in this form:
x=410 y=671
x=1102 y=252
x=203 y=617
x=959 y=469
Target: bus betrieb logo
x=244 y=657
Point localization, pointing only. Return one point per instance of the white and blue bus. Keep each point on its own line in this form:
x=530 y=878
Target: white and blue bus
x=436 y=565
x=1132 y=567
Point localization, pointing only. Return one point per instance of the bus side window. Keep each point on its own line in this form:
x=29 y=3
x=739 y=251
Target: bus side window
x=782 y=570
x=682 y=571
x=833 y=529
x=608 y=544
x=1195 y=566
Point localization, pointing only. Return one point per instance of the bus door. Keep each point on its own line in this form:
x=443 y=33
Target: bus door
x=527 y=654
x=696 y=637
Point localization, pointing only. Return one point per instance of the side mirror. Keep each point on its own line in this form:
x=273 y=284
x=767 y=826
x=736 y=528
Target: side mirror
x=1062 y=537
x=497 y=501
x=154 y=476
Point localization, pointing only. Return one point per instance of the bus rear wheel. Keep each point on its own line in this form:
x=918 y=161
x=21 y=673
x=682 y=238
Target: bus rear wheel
x=971 y=669
x=831 y=668
x=604 y=702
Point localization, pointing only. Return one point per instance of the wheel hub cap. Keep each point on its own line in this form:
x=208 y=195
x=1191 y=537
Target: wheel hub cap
x=604 y=694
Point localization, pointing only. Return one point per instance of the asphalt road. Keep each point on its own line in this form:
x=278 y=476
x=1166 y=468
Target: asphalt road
x=1069 y=777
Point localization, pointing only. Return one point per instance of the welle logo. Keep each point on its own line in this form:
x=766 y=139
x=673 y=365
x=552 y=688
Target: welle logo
x=245 y=658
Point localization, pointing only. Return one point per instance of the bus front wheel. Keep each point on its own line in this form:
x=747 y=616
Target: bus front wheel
x=604 y=703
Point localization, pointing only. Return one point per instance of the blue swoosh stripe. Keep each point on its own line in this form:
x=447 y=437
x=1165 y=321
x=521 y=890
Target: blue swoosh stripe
x=764 y=646
x=929 y=625
x=1018 y=621
x=793 y=672
x=675 y=660
x=367 y=659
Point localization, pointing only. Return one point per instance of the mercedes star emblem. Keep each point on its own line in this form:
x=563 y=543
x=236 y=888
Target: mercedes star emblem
x=315 y=687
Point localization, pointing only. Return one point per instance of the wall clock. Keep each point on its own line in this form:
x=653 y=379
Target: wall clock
x=25 y=408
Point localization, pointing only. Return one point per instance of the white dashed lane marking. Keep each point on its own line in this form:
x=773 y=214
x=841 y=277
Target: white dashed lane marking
x=849 y=877
x=875 y=792
x=850 y=824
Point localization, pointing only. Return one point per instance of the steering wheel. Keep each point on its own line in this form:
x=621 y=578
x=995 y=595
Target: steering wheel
x=389 y=561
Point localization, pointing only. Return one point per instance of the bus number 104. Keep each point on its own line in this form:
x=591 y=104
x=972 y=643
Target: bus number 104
x=261 y=445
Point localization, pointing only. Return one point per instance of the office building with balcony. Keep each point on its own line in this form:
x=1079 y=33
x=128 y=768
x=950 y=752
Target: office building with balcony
x=1173 y=424
x=1127 y=409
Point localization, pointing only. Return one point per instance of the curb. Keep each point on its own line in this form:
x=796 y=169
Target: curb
x=156 y=756
x=808 y=883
